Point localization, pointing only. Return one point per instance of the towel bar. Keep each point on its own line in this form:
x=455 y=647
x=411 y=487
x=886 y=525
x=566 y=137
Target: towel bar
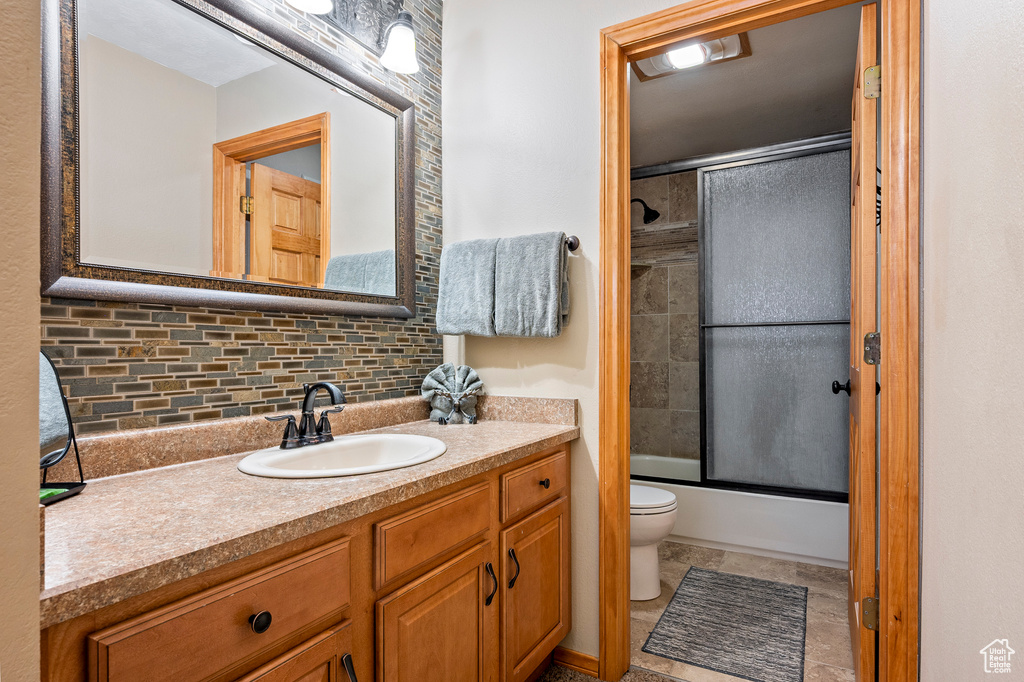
x=572 y=243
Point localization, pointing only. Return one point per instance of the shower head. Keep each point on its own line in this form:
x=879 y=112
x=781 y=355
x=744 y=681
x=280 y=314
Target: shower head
x=650 y=215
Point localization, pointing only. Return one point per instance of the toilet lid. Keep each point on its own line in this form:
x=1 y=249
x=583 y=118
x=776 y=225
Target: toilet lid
x=646 y=497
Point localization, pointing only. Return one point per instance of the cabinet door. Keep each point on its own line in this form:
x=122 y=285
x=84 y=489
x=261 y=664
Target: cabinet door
x=535 y=581
x=325 y=658
x=444 y=626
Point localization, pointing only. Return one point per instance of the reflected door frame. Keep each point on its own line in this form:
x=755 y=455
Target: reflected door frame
x=899 y=482
x=229 y=160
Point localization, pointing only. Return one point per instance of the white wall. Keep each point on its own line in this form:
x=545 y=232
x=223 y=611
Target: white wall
x=973 y=336
x=521 y=130
x=362 y=147
x=147 y=134
x=19 y=342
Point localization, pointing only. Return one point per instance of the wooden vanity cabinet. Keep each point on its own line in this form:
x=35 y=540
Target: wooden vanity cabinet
x=428 y=589
x=443 y=626
x=535 y=564
x=535 y=589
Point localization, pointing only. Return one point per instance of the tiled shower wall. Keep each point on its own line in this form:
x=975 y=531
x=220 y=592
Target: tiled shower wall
x=130 y=365
x=665 y=392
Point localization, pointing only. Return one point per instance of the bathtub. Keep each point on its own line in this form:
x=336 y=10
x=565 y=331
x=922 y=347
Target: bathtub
x=811 y=531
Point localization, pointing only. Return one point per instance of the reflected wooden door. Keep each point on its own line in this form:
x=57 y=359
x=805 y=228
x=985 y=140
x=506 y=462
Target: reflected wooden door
x=286 y=242
x=863 y=301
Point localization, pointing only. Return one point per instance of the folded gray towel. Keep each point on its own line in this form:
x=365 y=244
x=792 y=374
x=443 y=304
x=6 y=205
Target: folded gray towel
x=465 y=297
x=362 y=273
x=531 y=285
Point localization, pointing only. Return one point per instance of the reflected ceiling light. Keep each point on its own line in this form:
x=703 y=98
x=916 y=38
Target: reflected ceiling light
x=312 y=6
x=400 y=46
x=686 y=57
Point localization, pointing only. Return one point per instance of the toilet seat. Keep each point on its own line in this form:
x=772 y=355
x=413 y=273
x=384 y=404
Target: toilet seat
x=645 y=500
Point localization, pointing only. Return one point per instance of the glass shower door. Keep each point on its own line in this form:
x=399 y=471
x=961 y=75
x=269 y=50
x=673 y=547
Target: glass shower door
x=775 y=257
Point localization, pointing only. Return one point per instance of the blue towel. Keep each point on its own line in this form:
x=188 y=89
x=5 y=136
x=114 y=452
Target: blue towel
x=362 y=273
x=465 y=297
x=531 y=285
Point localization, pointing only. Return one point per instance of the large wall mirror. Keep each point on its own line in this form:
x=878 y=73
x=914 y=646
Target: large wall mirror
x=200 y=153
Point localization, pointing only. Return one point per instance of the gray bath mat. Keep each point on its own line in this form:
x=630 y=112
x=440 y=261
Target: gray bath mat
x=733 y=624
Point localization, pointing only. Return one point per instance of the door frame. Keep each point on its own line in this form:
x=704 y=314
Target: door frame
x=899 y=493
x=229 y=159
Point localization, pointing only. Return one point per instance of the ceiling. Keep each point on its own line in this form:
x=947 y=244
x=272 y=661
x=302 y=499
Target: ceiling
x=173 y=36
x=797 y=84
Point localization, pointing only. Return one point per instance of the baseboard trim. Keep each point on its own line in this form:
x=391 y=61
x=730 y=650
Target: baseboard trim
x=574 y=660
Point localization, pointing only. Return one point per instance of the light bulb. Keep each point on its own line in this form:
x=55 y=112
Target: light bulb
x=685 y=57
x=312 y=6
x=400 y=50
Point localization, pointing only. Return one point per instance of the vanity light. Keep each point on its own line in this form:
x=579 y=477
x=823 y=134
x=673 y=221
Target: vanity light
x=312 y=6
x=400 y=46
x=689 y=56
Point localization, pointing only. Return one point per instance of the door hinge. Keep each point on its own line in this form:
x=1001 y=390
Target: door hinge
x=873 y=348
x=873 y=82
x=869 y=613
x=246 y=204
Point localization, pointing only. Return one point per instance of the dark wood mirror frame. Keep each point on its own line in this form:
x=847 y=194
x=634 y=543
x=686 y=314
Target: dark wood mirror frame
x=63 y=275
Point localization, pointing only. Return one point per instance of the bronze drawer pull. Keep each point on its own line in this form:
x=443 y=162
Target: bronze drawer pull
x=260 y=622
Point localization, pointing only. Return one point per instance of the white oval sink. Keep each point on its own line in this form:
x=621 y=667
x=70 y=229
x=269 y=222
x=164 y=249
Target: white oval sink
x=344 y=456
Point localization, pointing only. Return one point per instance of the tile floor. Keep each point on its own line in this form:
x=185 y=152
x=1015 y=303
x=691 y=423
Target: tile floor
x=827 y=655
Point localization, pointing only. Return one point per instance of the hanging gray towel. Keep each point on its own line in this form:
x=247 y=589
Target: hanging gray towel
x=531 y=285
x=465 y=297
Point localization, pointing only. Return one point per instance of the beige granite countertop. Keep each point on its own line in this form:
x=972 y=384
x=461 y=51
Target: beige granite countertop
x=132 y=533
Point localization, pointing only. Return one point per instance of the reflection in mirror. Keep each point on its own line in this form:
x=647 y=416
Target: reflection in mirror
x=56 y=434
x=204 y=154
x=54 y=420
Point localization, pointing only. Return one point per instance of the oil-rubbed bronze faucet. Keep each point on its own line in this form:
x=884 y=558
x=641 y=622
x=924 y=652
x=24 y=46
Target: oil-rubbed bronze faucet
x=309 y=431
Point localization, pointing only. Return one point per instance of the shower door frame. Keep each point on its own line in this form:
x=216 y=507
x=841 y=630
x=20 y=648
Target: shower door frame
x=899 y=296
x=753 y=157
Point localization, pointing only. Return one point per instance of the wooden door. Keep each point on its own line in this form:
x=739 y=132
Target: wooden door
x=442 y=627
x=535 y=585
x=285 y=237
x=863 y=296
x=325 y=658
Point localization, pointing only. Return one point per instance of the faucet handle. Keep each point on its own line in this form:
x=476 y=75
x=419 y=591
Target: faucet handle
x=323 y=427
x=291 y=434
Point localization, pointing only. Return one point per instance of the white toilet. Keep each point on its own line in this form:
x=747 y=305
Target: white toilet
x=652 y=514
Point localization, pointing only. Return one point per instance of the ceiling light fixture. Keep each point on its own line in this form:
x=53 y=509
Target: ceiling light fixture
x=695 y=54
x=312 y=6
x=400 y=46
x=687 y=57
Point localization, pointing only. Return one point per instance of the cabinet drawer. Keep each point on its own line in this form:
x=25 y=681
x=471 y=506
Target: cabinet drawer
x=524 y=489
x=413 y=540
x=209 y=633
x=321 y=658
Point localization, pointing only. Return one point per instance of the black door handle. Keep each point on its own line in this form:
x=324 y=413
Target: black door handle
x=546 y=483
x=836 y=387
x=346 y=661
x=512 y=583
x=494 y=579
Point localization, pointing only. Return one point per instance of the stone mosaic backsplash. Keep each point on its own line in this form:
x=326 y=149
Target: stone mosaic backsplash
x=127 y=365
